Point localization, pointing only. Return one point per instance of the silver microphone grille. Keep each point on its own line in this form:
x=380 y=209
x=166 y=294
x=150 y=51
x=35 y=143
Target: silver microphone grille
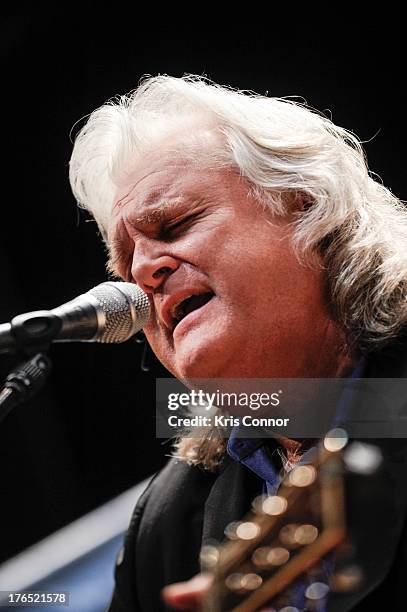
x=124 y=310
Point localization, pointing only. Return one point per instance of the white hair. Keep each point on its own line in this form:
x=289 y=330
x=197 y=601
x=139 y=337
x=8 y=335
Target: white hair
x=282 y=148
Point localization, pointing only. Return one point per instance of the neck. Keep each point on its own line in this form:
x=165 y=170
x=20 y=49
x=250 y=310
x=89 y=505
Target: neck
x=336 y=361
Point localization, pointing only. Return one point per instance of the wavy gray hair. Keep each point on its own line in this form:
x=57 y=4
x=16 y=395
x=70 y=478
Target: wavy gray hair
x=283 y=149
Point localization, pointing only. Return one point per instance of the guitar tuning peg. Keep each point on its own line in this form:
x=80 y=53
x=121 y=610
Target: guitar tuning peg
x=257 y=504
x=233 y=582
x=287 y=535
x=239 y=530
x=230 y=530
x=302 y=476
x=209 y=557
x=362 y=458
x=305 y=534
x=251 y=582
x=336 y=439
x=294 y=535
x=272 y=505
x=243 y=582
x=267 y=556
x=317 y=591
x=247 y=530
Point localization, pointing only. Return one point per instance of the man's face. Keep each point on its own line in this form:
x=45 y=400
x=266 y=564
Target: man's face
x=228 y=296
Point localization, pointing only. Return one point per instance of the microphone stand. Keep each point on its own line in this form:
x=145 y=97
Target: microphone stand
x=29 y=337
x=24 y=382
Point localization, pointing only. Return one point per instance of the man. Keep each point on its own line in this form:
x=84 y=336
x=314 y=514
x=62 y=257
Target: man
x=267 y=251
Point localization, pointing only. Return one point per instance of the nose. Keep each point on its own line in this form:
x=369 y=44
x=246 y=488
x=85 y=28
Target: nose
x=150 y=272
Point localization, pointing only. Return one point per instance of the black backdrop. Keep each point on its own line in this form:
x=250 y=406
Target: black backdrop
x=90 y=433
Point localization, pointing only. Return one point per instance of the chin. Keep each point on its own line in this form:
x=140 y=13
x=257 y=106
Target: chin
x=200 y=360
x=193 y=367
x=206 y=351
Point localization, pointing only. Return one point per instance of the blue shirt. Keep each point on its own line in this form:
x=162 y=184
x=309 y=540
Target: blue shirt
x=263 y=457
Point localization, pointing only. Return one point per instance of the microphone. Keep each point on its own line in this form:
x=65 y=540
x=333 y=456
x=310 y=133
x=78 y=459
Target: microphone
x=110 y=312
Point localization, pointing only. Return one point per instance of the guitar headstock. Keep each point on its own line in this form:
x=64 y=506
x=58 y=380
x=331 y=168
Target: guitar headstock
x=284 y=538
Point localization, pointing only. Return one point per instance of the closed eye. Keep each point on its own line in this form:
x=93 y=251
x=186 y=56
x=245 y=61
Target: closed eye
x=173 y=230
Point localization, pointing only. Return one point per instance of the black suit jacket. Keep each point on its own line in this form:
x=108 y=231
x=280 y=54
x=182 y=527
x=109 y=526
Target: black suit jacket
x=185 y=507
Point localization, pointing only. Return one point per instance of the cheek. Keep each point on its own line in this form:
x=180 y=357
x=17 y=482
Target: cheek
x=251 y=267
x=160 y=345
x=154 y=338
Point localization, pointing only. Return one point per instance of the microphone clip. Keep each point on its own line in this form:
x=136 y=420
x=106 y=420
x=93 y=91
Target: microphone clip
x=30 y=333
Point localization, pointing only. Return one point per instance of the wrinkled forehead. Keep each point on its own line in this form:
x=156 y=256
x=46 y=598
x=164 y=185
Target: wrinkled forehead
x=170 y=169
x=148 y=179
x=199 y=146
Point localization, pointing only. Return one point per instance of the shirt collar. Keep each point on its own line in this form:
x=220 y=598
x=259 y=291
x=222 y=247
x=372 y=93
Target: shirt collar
x=240 y=448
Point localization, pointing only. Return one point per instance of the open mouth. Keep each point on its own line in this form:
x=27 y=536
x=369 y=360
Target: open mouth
x=191 y=303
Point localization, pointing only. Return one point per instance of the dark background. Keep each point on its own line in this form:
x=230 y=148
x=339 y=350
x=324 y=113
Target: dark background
x=91 y=433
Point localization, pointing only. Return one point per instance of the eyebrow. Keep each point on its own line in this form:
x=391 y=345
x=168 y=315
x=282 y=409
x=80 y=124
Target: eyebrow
x=159 y=211
x=154 y=198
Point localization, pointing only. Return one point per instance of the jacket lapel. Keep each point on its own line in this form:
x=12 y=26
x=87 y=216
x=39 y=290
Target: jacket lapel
x=229 y=499
x=376 y=504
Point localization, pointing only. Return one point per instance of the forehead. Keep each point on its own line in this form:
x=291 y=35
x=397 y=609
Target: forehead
x=169 y=165
x=160 y=187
